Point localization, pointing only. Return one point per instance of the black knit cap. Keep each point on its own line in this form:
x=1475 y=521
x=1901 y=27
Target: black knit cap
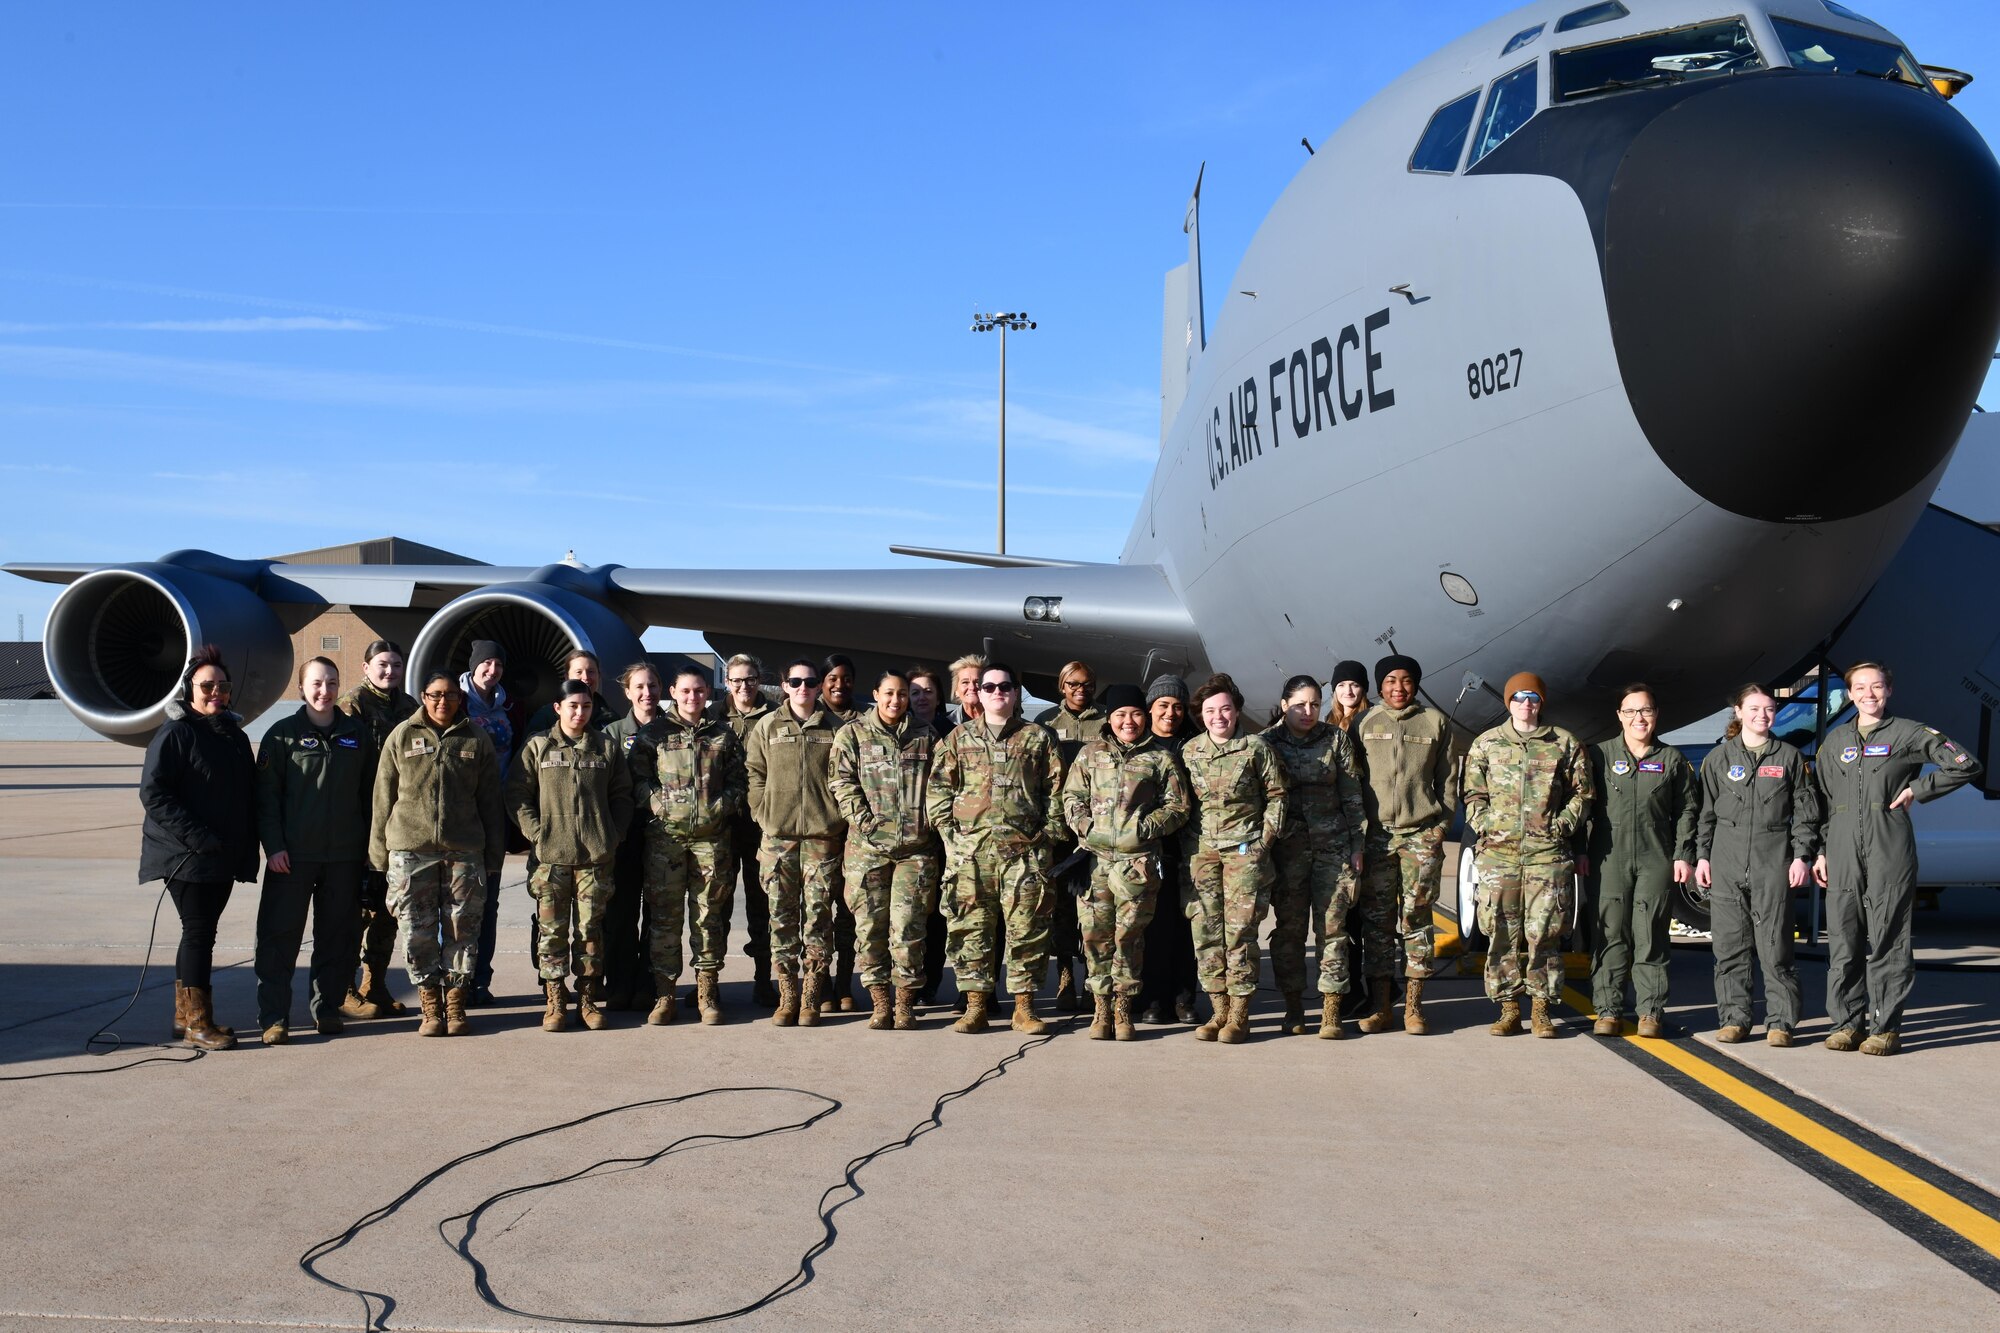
x=485 y=650
x=1349 y=669
x=1116 y=697
x=1398 y=662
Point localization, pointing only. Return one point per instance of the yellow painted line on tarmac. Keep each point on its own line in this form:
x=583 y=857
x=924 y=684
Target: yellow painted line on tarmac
x=1886 y=1176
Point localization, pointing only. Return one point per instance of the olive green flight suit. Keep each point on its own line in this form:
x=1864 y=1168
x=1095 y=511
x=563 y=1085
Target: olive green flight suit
x=381 y=711
x=1642 y=819
x=1759 y=813
x=1871 y=861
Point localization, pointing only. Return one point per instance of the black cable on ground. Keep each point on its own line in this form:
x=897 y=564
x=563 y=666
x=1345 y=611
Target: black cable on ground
x=848 y=1186
x=110 y=1041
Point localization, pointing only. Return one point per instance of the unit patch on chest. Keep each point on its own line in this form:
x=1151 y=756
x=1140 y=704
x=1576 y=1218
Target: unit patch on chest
x=1849 y=755
x=308 y=742
x=1737 y=772
x=1621 y=766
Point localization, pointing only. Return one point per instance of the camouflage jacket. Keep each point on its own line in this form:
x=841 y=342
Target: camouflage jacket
x=999 y=790
x=314 y=788
x=689 y=778
x=1073 y=730
x=789 y=763
x=571 y=798
x=740 y=723
x=881 y=778
x=1239 y=792
x=1527 y=795
x=438 y=792
x=1323 y=807
x=1409 y=780
x=1122 y=799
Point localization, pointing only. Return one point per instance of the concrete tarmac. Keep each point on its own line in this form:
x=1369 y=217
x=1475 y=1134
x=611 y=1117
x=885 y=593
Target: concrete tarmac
x=1453 y=1181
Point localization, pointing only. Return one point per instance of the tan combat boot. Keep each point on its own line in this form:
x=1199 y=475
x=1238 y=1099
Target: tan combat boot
x=1294 y=1022
x=1509 y=1021
x=431 y=1000
x=1543 y=1025
x=555 y=1013
x=180 y=1010
x=1844 y=1039
x=375 y=990
x=587 y=1007
x=1608 y=1025
x=1732 y=1033
x=813 y=998
x=906 y=1008
x=1329 y=1018
x=202 y=1029
x=360 y=1002
x=1218 y=1014
x=1381 y=1006
x=975 y=1012
x=455 y=1022
x=708 y=997
x=1882 y=1043
x=663 y=1010
x=1414 y=1022
x=277 y=1034
x=1121 y=1018
x=1237 y=1028
x=787 y=1013
x=1024 y=1015
x=1100 y=1019
x=1778 y=1036
x=884 y=1016
x=1652 y=1026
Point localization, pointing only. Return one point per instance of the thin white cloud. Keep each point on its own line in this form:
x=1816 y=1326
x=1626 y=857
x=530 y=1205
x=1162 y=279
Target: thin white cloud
x=258 y=324
x=970 y=418
x=1029 y=488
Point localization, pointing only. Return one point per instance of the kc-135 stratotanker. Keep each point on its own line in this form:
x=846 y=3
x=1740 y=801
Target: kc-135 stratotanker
x=1614 y=340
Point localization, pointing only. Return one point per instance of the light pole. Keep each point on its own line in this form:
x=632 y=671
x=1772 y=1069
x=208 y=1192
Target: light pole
x=1018 y=321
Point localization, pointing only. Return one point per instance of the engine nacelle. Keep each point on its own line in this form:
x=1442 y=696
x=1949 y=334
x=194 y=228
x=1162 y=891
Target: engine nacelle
x=118 y=639
x=540 y=622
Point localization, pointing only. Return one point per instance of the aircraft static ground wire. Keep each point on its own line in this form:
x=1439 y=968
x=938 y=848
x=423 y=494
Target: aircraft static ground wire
x=848 y=1188
x=104 y=1041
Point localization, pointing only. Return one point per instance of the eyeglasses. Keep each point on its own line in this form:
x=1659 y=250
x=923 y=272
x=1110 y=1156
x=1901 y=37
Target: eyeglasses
x=439 y=696
x=803 y=682
x=1526 y=697
x=1078 y=684
x=997 y=686
x=1630 y=713
x=212 y=686
x=735 y=681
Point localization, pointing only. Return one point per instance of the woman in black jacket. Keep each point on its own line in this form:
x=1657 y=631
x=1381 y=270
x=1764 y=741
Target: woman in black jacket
x=200 y=834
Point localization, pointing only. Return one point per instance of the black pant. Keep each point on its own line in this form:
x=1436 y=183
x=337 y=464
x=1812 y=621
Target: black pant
x=333 y=890
x=935 y=942
x=756 y=907
x=200 y=905
x=1168 y=970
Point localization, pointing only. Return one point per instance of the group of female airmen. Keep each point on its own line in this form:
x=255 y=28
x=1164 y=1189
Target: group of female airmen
x=1325 y=820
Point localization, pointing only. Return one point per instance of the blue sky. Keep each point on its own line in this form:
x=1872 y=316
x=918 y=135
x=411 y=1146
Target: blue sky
x=668 y=285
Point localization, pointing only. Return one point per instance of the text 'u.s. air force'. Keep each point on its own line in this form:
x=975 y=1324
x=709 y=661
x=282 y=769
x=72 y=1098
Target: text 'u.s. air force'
x=1313 y=389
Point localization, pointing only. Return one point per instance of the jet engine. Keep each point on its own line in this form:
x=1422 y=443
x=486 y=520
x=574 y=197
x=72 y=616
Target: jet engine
x=118 y=639
x=540 y=621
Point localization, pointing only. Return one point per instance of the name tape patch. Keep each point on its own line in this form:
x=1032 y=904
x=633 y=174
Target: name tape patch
x=1652 y=765
x=1875 y=751
x=1771 y=771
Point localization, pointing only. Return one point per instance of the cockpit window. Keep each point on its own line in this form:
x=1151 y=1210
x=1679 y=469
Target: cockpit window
x=1509 y=106
x=1695 y=52
x=1840 y=11
x=1824 y=51
x=1444 y=137
x=1521 y=39
x=1590 y=15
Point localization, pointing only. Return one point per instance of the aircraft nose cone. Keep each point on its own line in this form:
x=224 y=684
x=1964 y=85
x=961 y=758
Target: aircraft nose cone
x=1803 y=279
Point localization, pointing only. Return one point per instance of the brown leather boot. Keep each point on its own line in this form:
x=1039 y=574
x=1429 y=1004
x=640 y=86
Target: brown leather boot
x=455 y=1023
x=708 y=997
x=1608 y=1025
x=1024 y=1015
x=1100 y=1019
x=1218 y=1014
x=1543 y=1025
x=884 y=1016
x=587 y=1006
x=1732 y=1033
x=1413 y=1008
x=812 y=998
x=906 y=1008
x=356 y=1006
x=662 y=1012
x=202 y=1029
x=1121 y=1017
x=1652 y=1026
x=1237 y=1029
x=1329 y=1018
x=1381 y=1006
x=360 y=1002
x=1509 y=1021
x=555 y=1014
x=1294 y=1023
x=787 y=1013
x=431 y=1000
x=975 y=1012
x=180 y=1011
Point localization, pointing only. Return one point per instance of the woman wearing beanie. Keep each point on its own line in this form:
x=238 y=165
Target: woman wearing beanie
x=200 y=833
x=1350 y=695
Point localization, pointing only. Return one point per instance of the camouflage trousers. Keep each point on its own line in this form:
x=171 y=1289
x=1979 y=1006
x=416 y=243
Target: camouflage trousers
x=891 y=899
x=1315 y=888
x=1112 y=918
x=1225 y=895
x=1524 y=913
x=800 y=876
x=559 y=892
x=690 y=883
x=1399 y=882
x=991 y=888
x=378 y=923
x=439 y=901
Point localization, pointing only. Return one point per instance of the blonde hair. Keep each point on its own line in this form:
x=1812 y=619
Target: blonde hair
x=969 y=660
